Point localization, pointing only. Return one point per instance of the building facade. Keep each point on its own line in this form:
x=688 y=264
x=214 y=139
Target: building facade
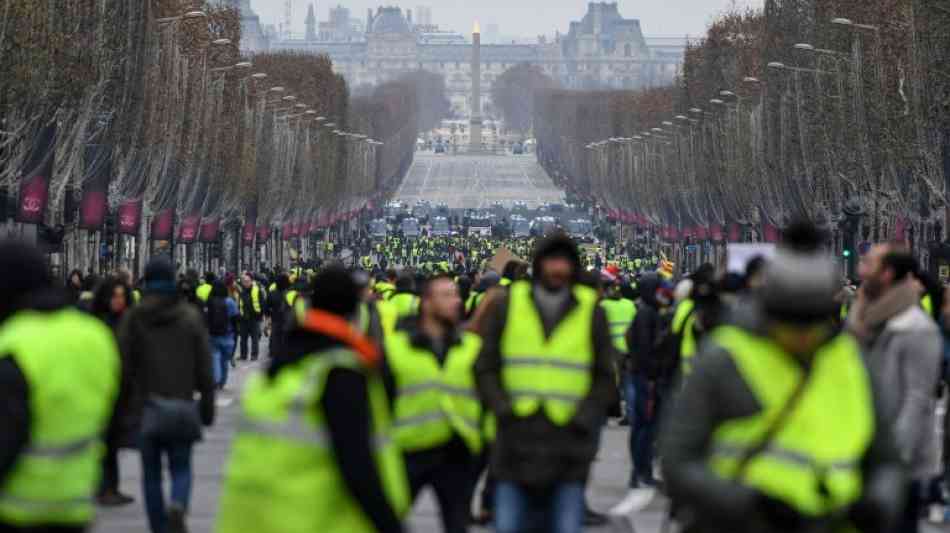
x=603 y=50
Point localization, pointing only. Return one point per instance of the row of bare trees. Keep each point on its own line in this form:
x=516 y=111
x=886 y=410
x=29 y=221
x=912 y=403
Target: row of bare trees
x=834 y=110
x=144 y=119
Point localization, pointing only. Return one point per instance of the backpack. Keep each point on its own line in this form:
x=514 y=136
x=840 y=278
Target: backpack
x=216 y=315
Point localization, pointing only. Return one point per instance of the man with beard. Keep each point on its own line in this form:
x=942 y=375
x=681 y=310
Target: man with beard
x=545 y=371
x=903 y=349
x=429 y=376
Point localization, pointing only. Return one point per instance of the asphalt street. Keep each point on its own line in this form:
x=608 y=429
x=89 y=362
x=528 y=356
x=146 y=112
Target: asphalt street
x=210 y=456
x=644 y=511
x=473 y=181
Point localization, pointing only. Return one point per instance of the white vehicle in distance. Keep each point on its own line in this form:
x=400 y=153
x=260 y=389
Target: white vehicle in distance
x=410 y=228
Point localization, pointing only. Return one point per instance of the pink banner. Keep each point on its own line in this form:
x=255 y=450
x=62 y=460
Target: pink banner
x=188 y=231
x=130 y=217
x=715 y=232
x=263 y=234
x=735 y=232
x=163 y=224
x=248 y=233
x=209 y=230
x=770 y=233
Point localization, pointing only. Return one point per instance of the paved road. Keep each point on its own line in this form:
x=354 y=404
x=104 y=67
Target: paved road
x=607 y=488
x=610 y=473
x=470 y=181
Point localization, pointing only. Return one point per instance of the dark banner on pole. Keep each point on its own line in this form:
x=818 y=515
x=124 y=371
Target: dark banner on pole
x=248 y=233
x=98 y=172
x=34 y=185
x=130 y=217
x=162 y=225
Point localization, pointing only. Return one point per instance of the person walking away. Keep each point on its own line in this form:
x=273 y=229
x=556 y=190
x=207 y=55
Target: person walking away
x=779 y=428
x=60 y=376
x=429 y=373
x=111 y=301
x=645 y=375
x=74 y=286
x=279 y=308
x=203 y=291
x=545 y=372
x=620 y=313
x=221 y=315
x=251 y=307
x=404 y=300
x=320 y=411
x=166 y=344
x=903 y=349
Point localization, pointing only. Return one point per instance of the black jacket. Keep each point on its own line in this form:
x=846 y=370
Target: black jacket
x=534 y=451
x=165 y=352
x=643 y=332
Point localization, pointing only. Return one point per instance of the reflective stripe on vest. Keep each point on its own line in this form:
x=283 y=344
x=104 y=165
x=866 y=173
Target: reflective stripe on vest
x=71 y=365
x=553 y=372
x=296 y=486
x=435 y=401
x=688 y=345
x=813 y=463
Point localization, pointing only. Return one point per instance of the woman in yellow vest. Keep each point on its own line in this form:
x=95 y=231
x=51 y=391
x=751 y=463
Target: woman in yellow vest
x=437 y=415
x=314 y=450
x=777 y=427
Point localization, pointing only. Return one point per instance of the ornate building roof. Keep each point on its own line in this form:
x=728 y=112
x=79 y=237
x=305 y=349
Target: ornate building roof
x=390 y=20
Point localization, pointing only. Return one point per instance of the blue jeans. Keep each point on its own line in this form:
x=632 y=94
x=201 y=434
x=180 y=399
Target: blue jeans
x=222 y=348
x=644 y=427
x=179 y=466
x=630 y=406
x=557 y=509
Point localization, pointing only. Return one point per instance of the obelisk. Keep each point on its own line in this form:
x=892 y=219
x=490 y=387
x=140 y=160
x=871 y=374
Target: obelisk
x=475 y=129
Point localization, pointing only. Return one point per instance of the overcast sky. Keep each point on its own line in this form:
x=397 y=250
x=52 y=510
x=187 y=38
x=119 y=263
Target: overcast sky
x=524 y=17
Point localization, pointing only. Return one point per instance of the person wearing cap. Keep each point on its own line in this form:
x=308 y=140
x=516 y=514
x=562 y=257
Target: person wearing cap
x=60 y=377
x=779 y=428
x=428 y=369
x=904 y=351
x=546 y=373
x=314 y=449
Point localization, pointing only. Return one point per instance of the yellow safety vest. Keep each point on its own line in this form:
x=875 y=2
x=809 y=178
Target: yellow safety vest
x=813 y=463
x=406 y=304
x=385 y=289
x=203 y=292
x=296 y=487
x=71 y=364
x=553 y=373
x=683 y=320
x=388 y=316
x=620 y=314
x=435 y=401
x=255 y=300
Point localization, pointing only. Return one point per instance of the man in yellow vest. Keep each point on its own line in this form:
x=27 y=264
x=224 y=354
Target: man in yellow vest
x=437 y=415
x=314 y=450
x=59 y=379
x=204 y=290
x=405 y=299
x=778 y=427
x=546 y=372
x=251 y=305
x=387 y=287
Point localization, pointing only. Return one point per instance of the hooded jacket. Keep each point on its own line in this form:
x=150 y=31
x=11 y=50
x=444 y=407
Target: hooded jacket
x=642 y=335
x=533 y=451
x=165 y=352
